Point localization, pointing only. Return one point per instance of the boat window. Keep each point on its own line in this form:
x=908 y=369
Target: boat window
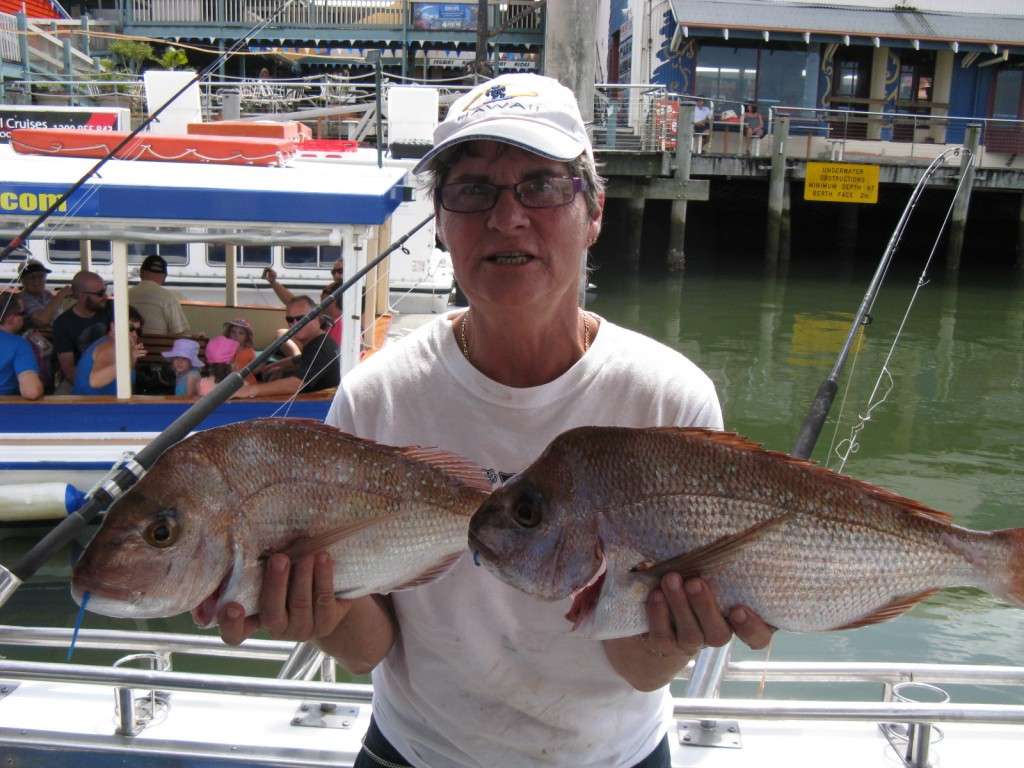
x=247 y=255
x=176 y=254
x=65 y=250
x=317 y=256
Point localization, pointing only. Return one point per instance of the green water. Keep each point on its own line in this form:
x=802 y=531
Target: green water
x=948 y=434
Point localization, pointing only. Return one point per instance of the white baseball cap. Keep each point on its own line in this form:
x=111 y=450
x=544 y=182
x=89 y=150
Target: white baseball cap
x=532 y=112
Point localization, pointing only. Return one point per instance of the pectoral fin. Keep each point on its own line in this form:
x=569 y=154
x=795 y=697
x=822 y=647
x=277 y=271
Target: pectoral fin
x=712 y=556
x=307 y=545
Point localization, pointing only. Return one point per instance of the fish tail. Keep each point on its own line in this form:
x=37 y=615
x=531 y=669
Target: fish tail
x=1011 y=576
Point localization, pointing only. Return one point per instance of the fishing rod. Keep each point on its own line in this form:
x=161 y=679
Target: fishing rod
x=23 y=236
x=815 y=419
x=130 y=470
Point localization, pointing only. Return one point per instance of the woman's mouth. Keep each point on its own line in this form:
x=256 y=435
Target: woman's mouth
x=509 y=258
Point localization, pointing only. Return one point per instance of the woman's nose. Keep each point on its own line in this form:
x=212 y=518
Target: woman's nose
x=507 y=212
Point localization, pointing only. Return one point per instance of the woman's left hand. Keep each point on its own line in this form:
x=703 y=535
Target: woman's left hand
x=684 y=617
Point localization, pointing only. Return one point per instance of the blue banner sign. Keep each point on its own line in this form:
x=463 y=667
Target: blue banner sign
x=454 y=16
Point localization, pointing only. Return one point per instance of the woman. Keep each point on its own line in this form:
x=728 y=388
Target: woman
x=468 y=671
x=96 y=372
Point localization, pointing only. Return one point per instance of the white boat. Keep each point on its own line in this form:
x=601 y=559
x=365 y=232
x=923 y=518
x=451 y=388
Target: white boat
x=141 y=712
x=347 y=213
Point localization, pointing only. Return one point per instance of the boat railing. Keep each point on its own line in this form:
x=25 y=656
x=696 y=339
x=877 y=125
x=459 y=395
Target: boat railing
x=167 y=644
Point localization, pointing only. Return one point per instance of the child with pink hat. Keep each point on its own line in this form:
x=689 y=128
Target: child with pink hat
x=185 y=362
x=220 y=351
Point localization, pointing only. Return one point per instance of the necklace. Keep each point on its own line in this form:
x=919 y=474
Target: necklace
x=464 y=340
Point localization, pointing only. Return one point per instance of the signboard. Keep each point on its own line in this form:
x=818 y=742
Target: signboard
x=841 y=183
x=93 y=118
x=450 y=16
x=33 y=199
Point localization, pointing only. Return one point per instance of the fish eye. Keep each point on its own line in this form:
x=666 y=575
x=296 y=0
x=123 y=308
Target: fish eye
x=527 y=511
x=162 y=532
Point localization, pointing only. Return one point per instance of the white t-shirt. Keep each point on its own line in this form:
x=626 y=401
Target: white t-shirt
x=482 y=675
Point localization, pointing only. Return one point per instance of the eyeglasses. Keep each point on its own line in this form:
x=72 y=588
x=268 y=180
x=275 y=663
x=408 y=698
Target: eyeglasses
x=293 y=319
x=542 y=192
x=134 y=328
x=102 y=292
x=337 y=271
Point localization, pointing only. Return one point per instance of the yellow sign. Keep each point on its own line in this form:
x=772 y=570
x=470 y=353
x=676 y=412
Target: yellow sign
x=841 y=183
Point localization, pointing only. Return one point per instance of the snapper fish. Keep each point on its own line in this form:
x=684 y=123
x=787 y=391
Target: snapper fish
x=604 y=512
x=196 y=530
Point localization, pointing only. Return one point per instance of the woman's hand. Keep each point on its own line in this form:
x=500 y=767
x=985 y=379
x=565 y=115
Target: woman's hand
x=297 y=602
x=682 y=619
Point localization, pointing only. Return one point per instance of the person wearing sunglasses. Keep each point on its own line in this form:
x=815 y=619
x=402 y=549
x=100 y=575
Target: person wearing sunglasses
x=315 y=368
x=80 y=325
x=468 y=671
x=285 y=295
x=19 y=372
x=96 y=373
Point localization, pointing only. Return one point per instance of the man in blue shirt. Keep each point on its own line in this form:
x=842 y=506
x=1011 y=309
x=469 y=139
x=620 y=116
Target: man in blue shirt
x=19 y=373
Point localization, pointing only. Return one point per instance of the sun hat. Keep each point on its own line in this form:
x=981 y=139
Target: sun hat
x=154 y=264
x=221 y=349
x=239 y=322
x=32 y=267
x=186 y=348
x=533 y=112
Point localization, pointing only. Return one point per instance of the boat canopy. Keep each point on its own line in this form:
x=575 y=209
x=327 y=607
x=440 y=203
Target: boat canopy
x=304 y=202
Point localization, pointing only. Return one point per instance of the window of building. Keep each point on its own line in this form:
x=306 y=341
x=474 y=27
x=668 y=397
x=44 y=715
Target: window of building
x=317 y=256
x=65 y=250
x=782 y=79
x=851 y=74
x=727 y=75
x=245 y=256
x=917 y=76
x=175 y=254
x=1008 y=94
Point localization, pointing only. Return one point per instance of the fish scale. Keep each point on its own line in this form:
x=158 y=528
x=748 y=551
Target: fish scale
x=389 y=517
x=803 y=547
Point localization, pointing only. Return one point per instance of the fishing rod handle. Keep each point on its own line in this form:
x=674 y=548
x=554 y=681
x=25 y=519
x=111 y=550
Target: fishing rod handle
x=815 y=420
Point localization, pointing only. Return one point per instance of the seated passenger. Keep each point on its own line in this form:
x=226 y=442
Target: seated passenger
x=220 y=351
x=330 y=321
x=184 y=357
x=19 y=374
x=41 y=305
x=314 y=369
x=240 y=330
x=96 y=372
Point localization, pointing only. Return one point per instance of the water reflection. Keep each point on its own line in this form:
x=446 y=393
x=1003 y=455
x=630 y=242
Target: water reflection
x=948 y=435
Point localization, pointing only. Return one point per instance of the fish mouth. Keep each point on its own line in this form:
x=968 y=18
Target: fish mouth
x=205 y=614
x=478 y=548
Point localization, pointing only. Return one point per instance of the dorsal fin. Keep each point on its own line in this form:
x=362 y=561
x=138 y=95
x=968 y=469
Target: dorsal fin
x=740 y=443
x=890 y=610
x=464 y=470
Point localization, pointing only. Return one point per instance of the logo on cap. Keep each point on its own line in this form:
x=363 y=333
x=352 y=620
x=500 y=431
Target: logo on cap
x=495 y=92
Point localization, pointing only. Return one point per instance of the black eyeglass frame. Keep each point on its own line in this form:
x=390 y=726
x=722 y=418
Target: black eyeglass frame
x=578 y=185
x=292 y=319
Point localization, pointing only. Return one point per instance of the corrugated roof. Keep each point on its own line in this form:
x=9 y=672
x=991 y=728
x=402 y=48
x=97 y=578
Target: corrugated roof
x=846 y=20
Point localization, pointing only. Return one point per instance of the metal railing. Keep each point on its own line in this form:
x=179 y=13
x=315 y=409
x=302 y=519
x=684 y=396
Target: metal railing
x=9 y=49
x=516 y=16
x=905 y=134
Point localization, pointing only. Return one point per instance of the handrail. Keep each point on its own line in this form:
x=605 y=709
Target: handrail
x=746 y=709
x=738 y=671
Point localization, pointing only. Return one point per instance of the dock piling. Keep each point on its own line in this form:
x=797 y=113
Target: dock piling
x=676 y=260
x=777 y=190
x=959 y=219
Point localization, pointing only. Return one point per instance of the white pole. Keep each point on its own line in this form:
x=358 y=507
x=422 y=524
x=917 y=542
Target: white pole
x=230 y=278
x=354 y=255
x=122 y=353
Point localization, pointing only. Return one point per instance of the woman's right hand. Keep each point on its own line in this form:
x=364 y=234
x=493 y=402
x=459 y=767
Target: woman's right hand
x=297 y=602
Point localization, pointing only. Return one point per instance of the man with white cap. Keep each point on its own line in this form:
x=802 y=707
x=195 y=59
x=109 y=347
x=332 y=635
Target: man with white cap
x=468 y=671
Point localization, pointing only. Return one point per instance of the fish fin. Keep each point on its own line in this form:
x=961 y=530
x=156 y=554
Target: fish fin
x=739 y=443
x=307 y=545
x=464 y=470
x=890 y=611
x=433 y=573
x=711 y=556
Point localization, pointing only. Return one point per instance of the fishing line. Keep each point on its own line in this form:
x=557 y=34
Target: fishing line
x=885 y=373
x=79 y=620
